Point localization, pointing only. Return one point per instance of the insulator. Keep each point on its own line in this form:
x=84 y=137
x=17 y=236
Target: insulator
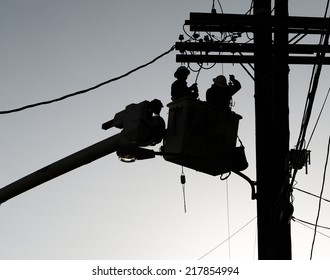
x=183 y=179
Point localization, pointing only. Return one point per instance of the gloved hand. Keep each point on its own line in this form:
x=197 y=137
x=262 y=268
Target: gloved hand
x=194 y=88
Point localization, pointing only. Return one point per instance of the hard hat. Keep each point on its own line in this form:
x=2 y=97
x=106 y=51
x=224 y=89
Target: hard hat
x=183 y=69
x=156 y=106
x=220 y=81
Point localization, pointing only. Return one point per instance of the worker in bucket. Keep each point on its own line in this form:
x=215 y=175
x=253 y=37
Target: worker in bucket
x=180 y=88
x=220 y=93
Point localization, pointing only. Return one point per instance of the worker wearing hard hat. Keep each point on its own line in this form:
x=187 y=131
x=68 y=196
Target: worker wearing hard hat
x=220 y=93
x=180 y=88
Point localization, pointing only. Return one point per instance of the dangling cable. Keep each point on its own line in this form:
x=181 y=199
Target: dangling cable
x=228 y=220
x=183 y=183
x=255 y=241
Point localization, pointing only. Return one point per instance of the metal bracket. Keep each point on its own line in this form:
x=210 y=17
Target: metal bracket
x=252 y=184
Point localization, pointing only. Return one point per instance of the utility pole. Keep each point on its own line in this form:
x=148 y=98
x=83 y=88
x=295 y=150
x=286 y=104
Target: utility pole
x=272 y=133
x=270 y=56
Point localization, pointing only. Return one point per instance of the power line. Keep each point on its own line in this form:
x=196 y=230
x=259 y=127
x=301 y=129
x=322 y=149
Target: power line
x=311 y=194
x=318 y=118
x=88 y=89
x=308 y=223
x=324 y=41
x=320 y=200
x=227 y=238
x=228 y=220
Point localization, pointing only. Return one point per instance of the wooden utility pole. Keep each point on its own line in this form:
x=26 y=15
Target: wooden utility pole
x=270 y=54
x=272 y=133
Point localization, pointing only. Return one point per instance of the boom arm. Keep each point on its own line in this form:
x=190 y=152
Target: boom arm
x=60 y=167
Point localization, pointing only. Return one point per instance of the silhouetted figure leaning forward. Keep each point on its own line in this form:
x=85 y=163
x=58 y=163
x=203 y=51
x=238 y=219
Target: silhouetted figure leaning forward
x=220 y=93
x=180 y=88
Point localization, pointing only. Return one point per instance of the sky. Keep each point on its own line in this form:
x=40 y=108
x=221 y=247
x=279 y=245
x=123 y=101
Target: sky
x=109 y=209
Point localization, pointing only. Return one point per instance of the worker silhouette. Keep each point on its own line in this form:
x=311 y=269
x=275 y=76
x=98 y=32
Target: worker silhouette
x=220 y=93
x=180 y=88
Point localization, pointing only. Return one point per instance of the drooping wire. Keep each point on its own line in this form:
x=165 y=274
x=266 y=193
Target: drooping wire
x=88 y=89
x=185 y=31
x=320 y=200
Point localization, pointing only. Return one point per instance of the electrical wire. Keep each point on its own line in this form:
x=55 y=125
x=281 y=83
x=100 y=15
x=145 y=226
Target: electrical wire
x=320 y=200
x=318 y=118
x=213 y=6
x=313 y=83
x=220 y=6
x=311 y=194
x=311 y=95
x=311 y=224
x=251 y=8
x=255 y=241
x=301 y=142
x=88 y=89
x=228 y=220
x=188 y=35
x=209 y=252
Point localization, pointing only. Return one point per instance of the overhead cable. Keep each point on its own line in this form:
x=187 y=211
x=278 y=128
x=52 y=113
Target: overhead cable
x=318 y=118
x=324 y=40
x=87 y=89
x=227 y=238
x=311 y=194
x=320 y=200
x=308 y=223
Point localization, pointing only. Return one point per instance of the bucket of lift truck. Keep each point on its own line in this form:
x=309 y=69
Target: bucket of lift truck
x=201 y=136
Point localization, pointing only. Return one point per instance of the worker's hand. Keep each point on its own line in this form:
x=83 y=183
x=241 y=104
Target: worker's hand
x=194 y=87
x=231 y=77
x=194 y=90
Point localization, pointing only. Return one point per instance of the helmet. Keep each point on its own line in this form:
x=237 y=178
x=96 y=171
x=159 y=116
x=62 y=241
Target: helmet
x=156 y=106
x=220 y=81
x=181 y=69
